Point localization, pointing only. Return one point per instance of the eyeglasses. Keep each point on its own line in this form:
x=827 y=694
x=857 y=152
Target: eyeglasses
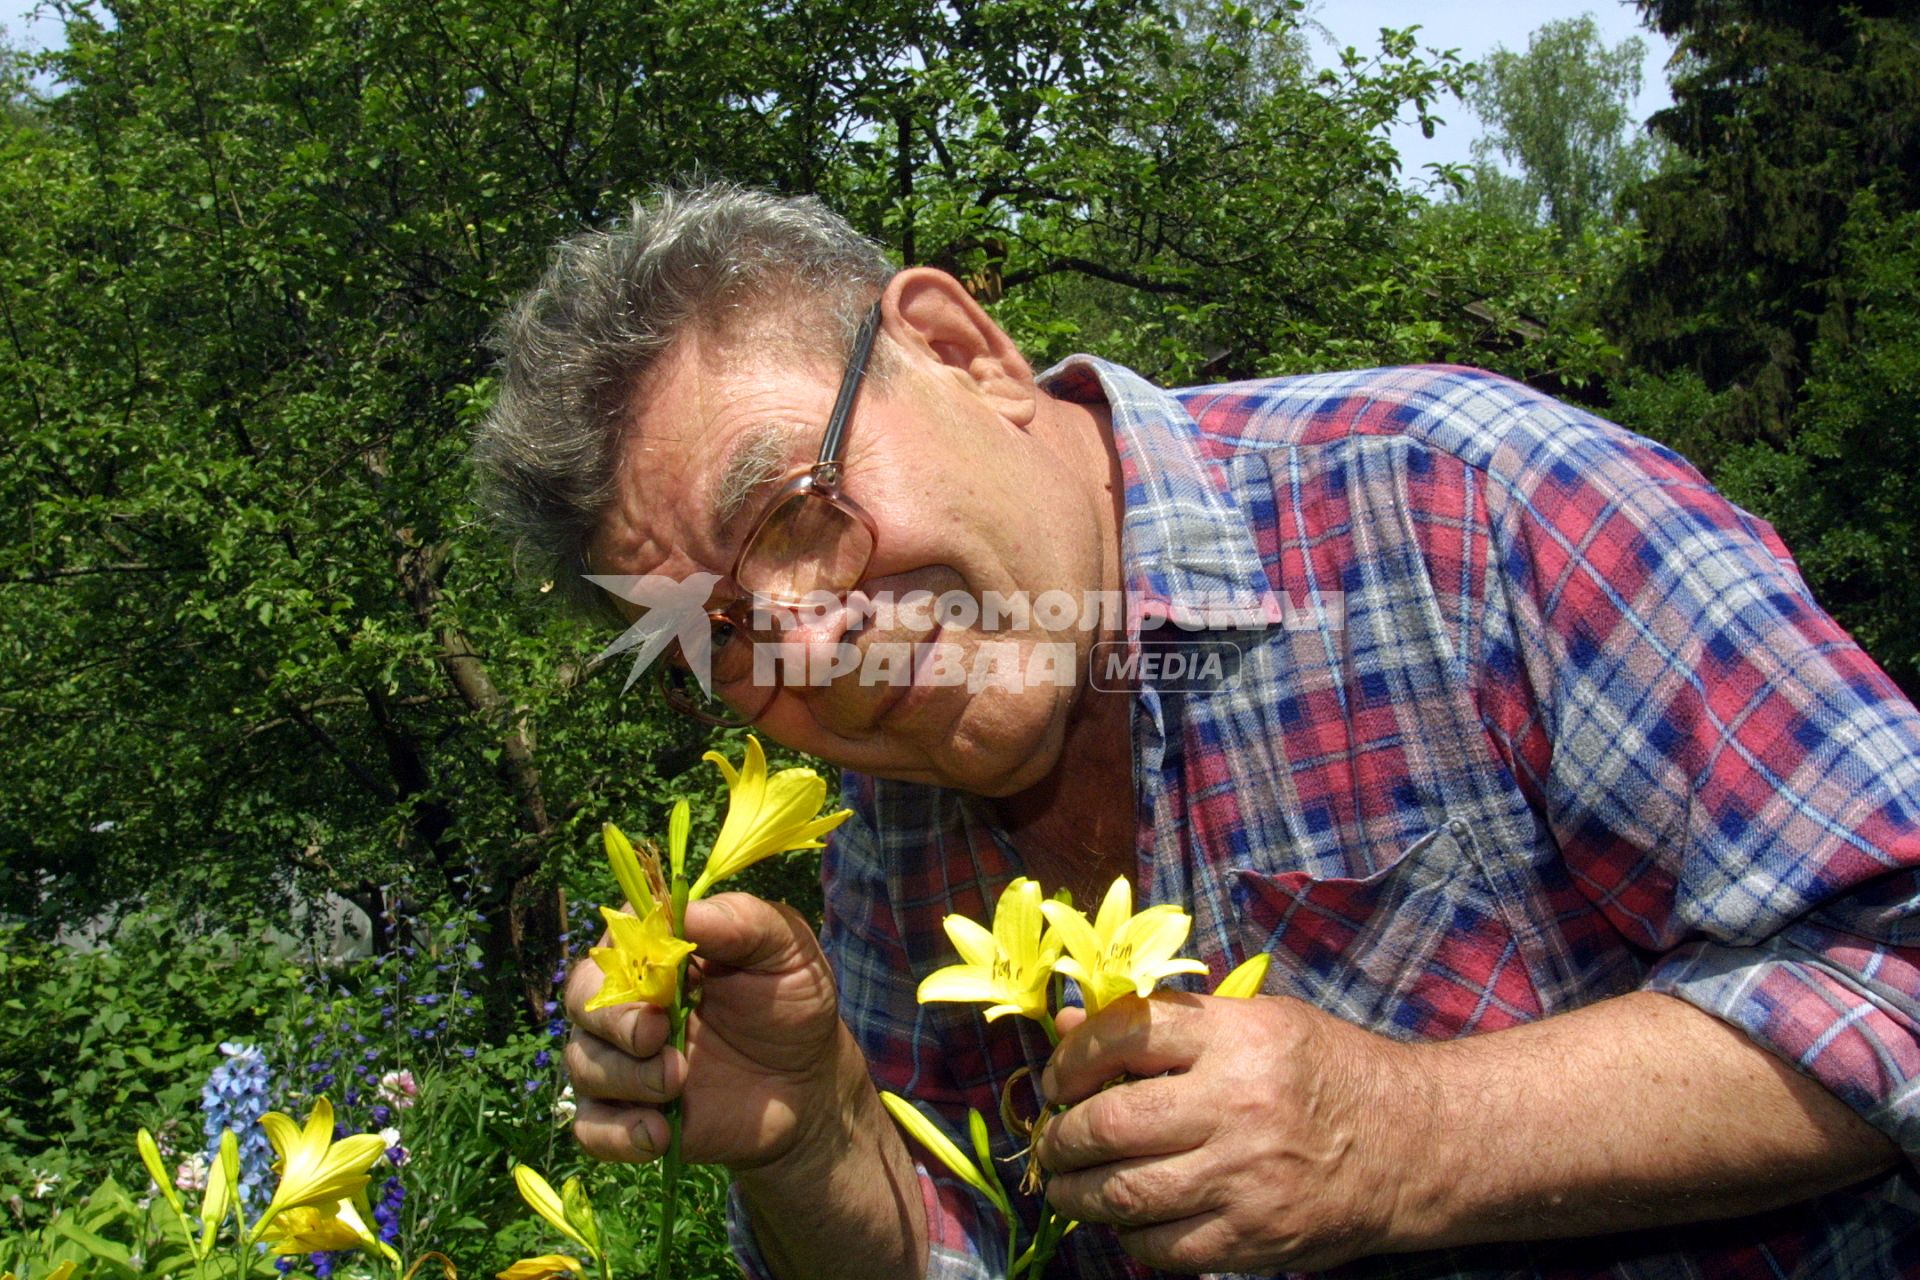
x=811 y=539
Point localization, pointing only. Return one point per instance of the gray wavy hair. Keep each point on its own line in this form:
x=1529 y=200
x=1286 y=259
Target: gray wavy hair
x=579 y=345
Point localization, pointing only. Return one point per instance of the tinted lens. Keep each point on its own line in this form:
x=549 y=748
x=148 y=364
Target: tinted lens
x=732 y=653
x=808 y=543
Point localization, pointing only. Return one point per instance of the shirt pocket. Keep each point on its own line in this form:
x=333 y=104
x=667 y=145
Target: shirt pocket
x=1419 y=950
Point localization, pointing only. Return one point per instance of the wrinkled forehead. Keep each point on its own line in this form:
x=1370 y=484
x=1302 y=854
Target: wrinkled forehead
x=718 y=418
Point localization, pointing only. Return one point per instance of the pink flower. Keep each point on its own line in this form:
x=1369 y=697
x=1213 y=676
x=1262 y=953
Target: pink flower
x=399 y=1089
x=191 y=1174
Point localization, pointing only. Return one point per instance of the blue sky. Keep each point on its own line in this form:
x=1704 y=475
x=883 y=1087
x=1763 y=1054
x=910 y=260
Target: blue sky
x=1474 y=27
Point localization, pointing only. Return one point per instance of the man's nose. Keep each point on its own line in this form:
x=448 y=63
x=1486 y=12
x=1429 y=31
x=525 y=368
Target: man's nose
x=816 y=638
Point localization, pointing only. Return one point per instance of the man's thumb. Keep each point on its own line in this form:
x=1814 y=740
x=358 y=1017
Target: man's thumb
x=744 y=932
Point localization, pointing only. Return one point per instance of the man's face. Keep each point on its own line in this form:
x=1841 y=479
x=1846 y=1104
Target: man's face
x=964 y=496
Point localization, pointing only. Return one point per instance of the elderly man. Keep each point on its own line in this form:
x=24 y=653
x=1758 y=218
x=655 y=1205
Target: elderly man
x=1581 y=839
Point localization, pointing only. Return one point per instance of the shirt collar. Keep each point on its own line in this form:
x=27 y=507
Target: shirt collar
x=1187 y=549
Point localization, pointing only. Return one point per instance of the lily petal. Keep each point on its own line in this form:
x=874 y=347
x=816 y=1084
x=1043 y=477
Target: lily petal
x=944 y=1149
x=545 y=1201
x=545 y=1267
x=975 y=945
x=958 y=982
x=1246 y=978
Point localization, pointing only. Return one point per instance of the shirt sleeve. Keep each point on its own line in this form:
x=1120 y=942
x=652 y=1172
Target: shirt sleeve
x=876 y=990
x=1731 y=780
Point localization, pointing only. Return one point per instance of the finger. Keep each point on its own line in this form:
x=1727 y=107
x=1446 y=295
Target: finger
x=600 y=1070
x=1197 y=1243
x=740 y=931
x=1133 y=1119
x=1136 y=1193
x=1130 y=1037
x=619 y=1131
x=636 y=1029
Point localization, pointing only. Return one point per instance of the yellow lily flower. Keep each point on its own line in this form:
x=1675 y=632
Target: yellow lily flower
x=643 y=964
x=638 y=879
x=545 y=1267
x=1119 y=951
x=545 y=1201
x=316 y=1171
x=765 y=815
x=1245 y=979
x=312 y=1228
x=945 y=1149
x=1008 y=969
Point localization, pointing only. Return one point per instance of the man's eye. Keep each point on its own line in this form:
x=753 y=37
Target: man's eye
x=722 y=633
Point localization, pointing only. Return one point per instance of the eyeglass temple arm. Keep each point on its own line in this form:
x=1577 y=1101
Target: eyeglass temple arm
x=849 y=387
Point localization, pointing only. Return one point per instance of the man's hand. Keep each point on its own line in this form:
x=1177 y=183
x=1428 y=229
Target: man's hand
x=1283 y=1137
x=1254 y=1135
x=760 y=1059
x=772 y=1085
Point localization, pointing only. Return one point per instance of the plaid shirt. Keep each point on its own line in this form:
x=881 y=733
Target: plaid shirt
x=1546 y=720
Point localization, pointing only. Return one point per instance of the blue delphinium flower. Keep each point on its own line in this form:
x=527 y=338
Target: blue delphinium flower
x=235 y=1097
x=387 y=1213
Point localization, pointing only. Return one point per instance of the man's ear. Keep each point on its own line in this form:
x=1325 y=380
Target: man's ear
x=931 y=317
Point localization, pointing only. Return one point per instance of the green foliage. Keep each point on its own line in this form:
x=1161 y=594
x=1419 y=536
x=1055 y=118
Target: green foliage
x=1782 y=115
x=1562 y=113
x=120 y=1037
x=120 y=1043
x=108 y=1235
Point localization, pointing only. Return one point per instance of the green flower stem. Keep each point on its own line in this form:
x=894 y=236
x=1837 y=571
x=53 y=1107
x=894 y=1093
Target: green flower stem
x=671 y=1164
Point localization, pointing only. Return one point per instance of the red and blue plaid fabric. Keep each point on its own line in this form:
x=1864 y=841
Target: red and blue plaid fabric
x=1548 y=720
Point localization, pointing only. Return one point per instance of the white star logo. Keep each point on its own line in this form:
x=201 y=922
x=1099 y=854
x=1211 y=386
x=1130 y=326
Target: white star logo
x=675 y=611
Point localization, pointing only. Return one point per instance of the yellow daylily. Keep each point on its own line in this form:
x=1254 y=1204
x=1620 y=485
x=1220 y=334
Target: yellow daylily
x=643 y=964
x=1119 y=951
x=945 y=1149
x=545 y=1201
x=312 y=1228
x=765 y=815
x=545 y=1267
x=157 y=1170
x=1008 y=969
x=679 y=823
x=223 y=1191
x=316 y=1171
x=638 y=879
x=1245 y=979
